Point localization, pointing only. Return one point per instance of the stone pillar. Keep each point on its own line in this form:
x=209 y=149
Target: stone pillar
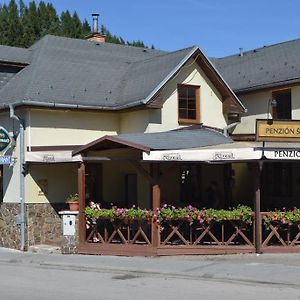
x=70 y=232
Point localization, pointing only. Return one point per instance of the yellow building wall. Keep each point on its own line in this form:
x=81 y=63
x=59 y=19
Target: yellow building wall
x=156 y=120
x=51 y=182
x=257 y=105
x=68 y=127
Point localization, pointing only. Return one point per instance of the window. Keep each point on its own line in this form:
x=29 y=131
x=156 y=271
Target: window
x=188 y=103
x=190 y=184
x=93 y=183
x=131 y=190
x=278 y=179
x=283 y=107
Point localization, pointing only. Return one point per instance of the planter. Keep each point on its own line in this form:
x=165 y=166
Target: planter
x=74 y=206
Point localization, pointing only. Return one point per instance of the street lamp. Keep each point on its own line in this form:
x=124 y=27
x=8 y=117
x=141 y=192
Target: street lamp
x=271 y=103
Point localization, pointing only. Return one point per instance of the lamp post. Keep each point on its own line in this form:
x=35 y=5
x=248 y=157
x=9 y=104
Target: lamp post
x=271 y=103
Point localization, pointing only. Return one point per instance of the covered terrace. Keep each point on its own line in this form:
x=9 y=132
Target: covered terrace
x=152 y=188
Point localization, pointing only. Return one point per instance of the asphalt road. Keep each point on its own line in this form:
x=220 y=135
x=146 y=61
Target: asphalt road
x=39 y=276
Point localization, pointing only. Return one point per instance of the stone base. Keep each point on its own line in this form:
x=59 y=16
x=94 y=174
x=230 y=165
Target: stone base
x=43 y=224
x=69 y=244
x=9 y=230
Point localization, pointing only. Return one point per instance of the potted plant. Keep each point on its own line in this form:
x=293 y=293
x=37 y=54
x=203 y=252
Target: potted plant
x=73 y=202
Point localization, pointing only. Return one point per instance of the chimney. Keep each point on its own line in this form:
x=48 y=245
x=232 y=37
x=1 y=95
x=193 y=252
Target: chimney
x=95 y=36
x=95 y=23
x=241 y=51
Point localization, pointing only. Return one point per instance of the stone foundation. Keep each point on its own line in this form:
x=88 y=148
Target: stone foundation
x=9 y=230
x=43 y=224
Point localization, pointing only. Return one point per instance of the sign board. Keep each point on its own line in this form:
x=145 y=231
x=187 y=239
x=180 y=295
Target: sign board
x=212 y=155
x=282 y=154
x=5 y=140
x=280 y=131
x=5 y=160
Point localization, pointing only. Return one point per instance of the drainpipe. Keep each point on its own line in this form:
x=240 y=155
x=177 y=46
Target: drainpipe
x=225 y=129
x=22 y=175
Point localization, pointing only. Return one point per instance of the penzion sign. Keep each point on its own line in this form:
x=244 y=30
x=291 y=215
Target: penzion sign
x=275 y=130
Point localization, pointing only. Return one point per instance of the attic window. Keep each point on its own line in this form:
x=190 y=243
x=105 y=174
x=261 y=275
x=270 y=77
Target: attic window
x=188 y=103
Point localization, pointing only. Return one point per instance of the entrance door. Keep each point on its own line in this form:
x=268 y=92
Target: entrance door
x=130 y=190
x=94 y=183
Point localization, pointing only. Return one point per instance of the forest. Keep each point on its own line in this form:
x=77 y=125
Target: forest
x=22 y=25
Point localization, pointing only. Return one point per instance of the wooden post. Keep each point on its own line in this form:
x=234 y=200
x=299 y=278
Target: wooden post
x=81 y=196
x=258 y=223
x=155 y=202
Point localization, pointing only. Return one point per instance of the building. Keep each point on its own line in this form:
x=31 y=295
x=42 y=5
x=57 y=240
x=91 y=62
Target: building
x=92 y=111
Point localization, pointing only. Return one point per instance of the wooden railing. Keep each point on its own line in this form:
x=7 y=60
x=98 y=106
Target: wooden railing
x=107 y=231
x=181 y=233
x=278 y=234
x=223 y=233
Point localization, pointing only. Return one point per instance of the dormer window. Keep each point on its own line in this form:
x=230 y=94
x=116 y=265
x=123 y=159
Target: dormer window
x=188 y=103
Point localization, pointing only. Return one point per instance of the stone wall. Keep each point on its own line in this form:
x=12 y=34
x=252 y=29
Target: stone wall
x=9 y=230
x=44 y=225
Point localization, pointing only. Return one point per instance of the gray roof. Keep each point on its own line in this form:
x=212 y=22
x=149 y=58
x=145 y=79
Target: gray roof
x=177 y=139
x=168 y=140
x=15 y=55
x=261 y=68
x=65 y=71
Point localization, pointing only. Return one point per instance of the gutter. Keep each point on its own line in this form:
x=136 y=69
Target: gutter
x=73 y=106
x=22 y=174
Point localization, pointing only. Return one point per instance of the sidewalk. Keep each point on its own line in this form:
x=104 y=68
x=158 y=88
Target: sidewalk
x=281 y=269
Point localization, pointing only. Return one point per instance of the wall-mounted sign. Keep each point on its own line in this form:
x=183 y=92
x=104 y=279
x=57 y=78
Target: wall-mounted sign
x=5 y=160
x=5 y=140
x=275 y=130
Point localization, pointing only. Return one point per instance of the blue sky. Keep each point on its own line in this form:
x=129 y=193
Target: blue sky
x=219 y=27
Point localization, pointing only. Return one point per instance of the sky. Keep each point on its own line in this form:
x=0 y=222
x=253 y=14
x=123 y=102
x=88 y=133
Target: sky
x=218 y=27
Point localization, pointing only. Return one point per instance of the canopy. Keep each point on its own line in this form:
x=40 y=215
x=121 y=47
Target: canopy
x=238 y=151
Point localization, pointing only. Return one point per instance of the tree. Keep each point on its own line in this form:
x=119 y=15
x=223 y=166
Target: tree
x=14 y=26
x=31 y=25
x=23 y=25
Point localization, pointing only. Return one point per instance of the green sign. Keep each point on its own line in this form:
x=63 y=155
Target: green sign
x=5 y=139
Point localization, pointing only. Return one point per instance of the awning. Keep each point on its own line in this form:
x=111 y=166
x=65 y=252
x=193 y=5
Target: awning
x=51 y=157
x=281 y=151
x=238 y=151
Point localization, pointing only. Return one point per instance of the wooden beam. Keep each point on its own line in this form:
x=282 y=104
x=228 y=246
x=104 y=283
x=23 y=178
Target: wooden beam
x=81 y=196
x=155 y=202
x=142 y=171
x=258 y=221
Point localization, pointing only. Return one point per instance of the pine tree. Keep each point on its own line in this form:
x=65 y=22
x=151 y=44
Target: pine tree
x=67 y=28
x=86 y=28
x=23 y=25
x=31 y=28
x=14 y=34
x=4 y=25
x=77 y=26
x=54 y=20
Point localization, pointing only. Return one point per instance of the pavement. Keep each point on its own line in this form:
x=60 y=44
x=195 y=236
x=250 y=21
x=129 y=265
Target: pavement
x=278 y=269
